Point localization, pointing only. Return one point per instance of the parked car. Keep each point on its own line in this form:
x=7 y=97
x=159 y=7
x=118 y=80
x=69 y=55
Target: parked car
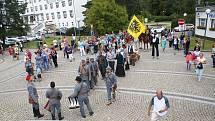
x=11 y=41
x=177 y=29
x=30 y=38
x=189 y=26
x=22 y=38
x=158 y=29
x=38 y=37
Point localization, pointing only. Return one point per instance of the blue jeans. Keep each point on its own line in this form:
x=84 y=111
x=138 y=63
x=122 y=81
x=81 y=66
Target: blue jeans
x=199 y=73
x=54 y=107
x=109 y=90
x=46 y=65
x=82 y=101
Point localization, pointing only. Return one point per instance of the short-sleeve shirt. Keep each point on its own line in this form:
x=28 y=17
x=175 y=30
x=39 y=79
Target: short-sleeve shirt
x=159 y=104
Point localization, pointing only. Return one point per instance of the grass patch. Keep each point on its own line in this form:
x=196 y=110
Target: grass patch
x=208 y=43
x=49 y=40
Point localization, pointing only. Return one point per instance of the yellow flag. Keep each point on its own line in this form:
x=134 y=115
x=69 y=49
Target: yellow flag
x=135 y=27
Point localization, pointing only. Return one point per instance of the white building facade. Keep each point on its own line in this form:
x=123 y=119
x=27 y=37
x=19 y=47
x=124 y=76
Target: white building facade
x=201 y=21
x=60 y=13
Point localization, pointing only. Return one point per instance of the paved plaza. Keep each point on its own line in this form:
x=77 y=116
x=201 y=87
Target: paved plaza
x=190 y=100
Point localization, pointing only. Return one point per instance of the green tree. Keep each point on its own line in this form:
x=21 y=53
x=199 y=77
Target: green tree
x=106 y=16
x=11 y=21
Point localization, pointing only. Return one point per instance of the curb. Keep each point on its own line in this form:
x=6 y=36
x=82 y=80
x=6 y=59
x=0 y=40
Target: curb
x=180 y=96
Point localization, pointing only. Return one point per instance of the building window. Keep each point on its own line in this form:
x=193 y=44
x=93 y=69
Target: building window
x=46 y=6
x=32 y=9
x=42 y=17
x=70 y=2
x=202 y=22
x=71 y=13
x=35 y=1
x=58 y=15
x=41 y=7
x=36 y=8
x=27 y=10
x=37 y=17
x=51 y=5
x=47 y=16
x=63 y=3
x=57 y=4
x=64 y=14
x=212 y=23
x=52 y=14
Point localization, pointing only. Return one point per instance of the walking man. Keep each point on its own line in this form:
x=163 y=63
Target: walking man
x=102 y=62
x=81 y=91
x=54 y=95
x=33 y=97
x=84 y=72
x=160 y=106
x=95 y=69
x=111 y=85
x=155 y=42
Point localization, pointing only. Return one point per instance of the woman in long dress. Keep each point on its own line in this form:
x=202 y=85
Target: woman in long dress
x=120 y=71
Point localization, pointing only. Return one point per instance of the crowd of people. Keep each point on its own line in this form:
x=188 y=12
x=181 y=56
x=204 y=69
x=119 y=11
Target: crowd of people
x=113 y=54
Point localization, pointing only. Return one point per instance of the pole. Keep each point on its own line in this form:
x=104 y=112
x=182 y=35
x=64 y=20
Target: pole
x=79 y=33
x=203 y=46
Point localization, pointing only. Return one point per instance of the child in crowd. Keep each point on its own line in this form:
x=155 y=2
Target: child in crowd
x=189 y=60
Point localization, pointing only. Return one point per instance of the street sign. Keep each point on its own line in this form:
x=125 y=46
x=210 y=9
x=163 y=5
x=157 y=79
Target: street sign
x=181 y=21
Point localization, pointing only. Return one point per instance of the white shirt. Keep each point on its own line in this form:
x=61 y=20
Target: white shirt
x=159 y=104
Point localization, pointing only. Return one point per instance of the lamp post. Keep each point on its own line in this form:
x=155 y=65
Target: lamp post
x=207 y=12
x=74 y=28
x=79 y=33
x=184 y=26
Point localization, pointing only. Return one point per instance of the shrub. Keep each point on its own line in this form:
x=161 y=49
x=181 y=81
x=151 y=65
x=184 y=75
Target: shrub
x=162 y=18
x=201 y=27
x=212 y=29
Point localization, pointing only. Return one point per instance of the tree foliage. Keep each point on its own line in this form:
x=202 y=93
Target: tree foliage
x=159 y=7
x=105 y=16
x=12 y=22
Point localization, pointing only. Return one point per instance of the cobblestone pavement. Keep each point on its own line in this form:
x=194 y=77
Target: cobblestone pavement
x=190 y=100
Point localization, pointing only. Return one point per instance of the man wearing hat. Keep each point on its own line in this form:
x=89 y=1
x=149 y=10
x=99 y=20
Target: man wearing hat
x=33 y=96
x=111 y=84
x=95 y=69
x=81 y=91
x=84 y=72
x=155 y=42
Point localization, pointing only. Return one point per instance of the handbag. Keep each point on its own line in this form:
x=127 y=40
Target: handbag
x=30 y=100
x=47 y=106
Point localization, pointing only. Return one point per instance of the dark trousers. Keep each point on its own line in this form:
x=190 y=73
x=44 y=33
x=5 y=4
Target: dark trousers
x=146 y=45
x=111 y=64
x=155 y=46
x=213 y=61
x=55 y=61
x=102 y=70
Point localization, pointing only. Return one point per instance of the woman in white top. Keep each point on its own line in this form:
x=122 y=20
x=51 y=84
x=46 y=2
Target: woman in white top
x=197 y=53
x=199 y=65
